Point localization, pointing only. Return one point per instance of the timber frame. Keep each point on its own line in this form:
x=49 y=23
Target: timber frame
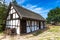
x=27 y=21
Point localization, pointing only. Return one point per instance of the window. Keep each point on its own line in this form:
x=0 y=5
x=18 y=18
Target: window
x=33 y=26
x=37 y=25
x=41 y=25
x=32 y=23
x=28 y=23
x=28 y=27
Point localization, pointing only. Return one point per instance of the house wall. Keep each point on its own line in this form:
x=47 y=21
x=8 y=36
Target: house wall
x=22 y=25
x=13 y=20
x=32 y=26
x=27 y=26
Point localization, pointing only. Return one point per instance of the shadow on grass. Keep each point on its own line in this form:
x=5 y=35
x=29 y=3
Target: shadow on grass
x=40 y=31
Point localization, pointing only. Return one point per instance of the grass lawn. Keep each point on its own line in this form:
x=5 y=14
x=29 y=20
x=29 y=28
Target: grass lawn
x=51 y=33
x=54 y=29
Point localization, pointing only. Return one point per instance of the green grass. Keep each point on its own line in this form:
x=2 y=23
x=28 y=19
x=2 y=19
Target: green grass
x=54 y=29
x=55 y=38
x=51 y=33
x=37 y=33
x=54 y=33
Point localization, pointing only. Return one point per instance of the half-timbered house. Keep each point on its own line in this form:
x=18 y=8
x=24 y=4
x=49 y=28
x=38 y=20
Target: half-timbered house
x=23 y=20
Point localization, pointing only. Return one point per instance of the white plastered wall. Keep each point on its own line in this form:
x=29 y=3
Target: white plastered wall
x=13 y=22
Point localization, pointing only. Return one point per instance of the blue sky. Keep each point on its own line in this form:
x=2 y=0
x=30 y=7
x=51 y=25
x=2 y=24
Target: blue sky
x=41 y=7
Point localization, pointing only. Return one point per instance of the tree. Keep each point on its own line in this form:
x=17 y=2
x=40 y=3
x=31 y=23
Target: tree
x=54 y=16
x=3 y=9
x=14 y=1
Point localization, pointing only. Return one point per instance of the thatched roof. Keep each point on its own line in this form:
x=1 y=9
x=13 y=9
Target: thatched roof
x=23 y=12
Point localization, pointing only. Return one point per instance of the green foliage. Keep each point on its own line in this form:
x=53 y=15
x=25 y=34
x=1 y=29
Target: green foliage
x=14 y=1
x=3 y=9
x=54 y=15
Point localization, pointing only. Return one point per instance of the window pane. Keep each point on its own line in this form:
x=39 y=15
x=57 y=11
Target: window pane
x=7 y=22
x=41 y=25
x=35 y=27
x=28 y=23
x=32 y=28
x=28 y=29
x=32 y=25
x=35 y=22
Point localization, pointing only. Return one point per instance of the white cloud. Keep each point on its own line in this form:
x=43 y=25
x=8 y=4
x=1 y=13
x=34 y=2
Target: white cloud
x=29 y=6
x=42 y=11
x=21 y=1
x=37 y=9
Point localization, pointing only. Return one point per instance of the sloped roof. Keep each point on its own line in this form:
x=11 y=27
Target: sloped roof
x=23 y=12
